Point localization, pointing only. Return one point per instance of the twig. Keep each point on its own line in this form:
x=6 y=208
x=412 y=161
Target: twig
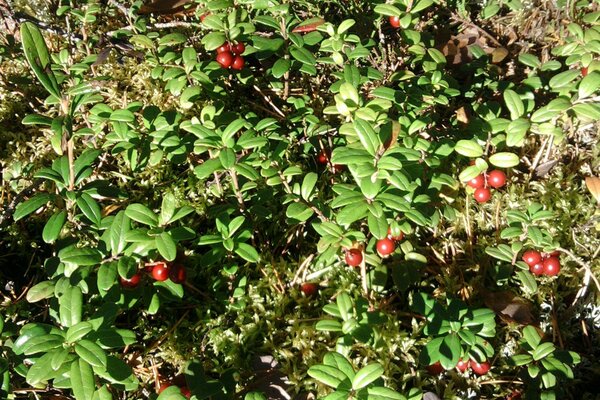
x=301 y=269
x=586 y=278
x=267 y=99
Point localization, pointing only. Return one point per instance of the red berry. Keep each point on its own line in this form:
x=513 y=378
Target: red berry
x=482 y=195
x=385 y=247
x=354 y=257
x=203 y=16
x=584 y=71
x=309 y=289
x=537 y=269
x=477 y=182
x=435 y=369
x=177 y=273
x=132 y=282
x=238 y=48
x=480 y=368
x=551 y=266
x=225 y=59
x=163 y=387
x=496 y=179
x=338 y=167
x=554 y=253
x=185 y=391
x=462 y=365
x=323 y=157
x=532 y=257
x=396 y=238
x=160 y=272
x=395 y=22
x=238 y=63
x=226 y=47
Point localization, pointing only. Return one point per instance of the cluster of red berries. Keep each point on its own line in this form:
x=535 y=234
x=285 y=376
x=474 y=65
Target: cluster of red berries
x=542 y=263
x=160 y=271
x=482 y=183
x=385 y=247
x=478 y=368
x=229 y=56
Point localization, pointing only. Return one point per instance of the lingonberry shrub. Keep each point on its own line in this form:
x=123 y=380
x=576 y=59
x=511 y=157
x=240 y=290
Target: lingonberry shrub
x=172 y=171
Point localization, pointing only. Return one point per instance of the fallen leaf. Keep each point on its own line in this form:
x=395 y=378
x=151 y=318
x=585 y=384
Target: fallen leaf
x=309 y=25
x=593 y=185
x=163 y=7
x=510 y=306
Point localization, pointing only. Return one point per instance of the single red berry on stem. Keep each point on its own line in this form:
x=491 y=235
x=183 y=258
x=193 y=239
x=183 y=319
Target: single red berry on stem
x=532 y=257
x=584 y=71
x=160 y=272
x=132 y=282
x=225 y=59
x=496 y=179
x=462 y=366
x=309 y=289
x=551 y=266
x=178 y=273
x=385 y=247
x=482 y=195
x=353 y=257
x=396 y=238
x=238 y=63
x=239 y=48
x=323 y=157
x=164 y=387
x=226 y=47
x=435 y=369
x=480 y=368
x=395 y=21
x=537 y=269
x=477 y=182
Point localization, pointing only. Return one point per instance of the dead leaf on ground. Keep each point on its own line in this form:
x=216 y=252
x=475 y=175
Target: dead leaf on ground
x=593 y=185
x=457 y=47
x=163 y=7
x=510 y=307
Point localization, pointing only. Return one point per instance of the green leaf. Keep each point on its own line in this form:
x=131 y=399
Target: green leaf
x=54 y=226
x=38 y=57
x=127 y=267
x=91 y=353
x=41 y=371
x=340 y=362
x=514 y=104
x=41 y=344
x=367 y=136
x=387 y=10
x=41 y=291
x=247 y=252
x=421 y=5
x=329 y=325
x=82 y=380
x=118 y=230
x=71 y=304
x=122 y=116
x=468 y=148
x=589 y=84
x=31 y=205
x=89 y=208
x=299 y=211
x=303 y=55
x=516 y=131
x=328 y=375
x=543 y=350
x=344 y=304
x=213 y=40
x=563 y=79
x=166 y=246
x=78 y=331
x=280 y=67
x=308 y=185
x=80 y=256
x=531 y=336
x=367 y=375
x=382 y=393
x=504 y=160
x=142 y=214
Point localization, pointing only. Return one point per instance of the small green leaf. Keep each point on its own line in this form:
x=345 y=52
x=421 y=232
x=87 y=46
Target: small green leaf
x=82 y=380
x=328 y=375
x=367 y=375
x=54 y=226
x=91 y=353
x=166 y=246
x=142 y=214
x=468 y=148
x=71 y=305
x=41 y=291
x=504 y=160
x=31 y=205
x=514 y=104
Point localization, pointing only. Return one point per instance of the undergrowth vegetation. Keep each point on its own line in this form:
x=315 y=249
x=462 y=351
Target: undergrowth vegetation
x=299 y=199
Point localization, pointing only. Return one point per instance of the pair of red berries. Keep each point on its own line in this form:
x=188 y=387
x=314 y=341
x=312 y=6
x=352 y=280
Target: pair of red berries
x=482 y=182
x=160 y=271
x=185 y=391
x=478 y=368
x=229 y=56
x=542 y=264
x=387 y=245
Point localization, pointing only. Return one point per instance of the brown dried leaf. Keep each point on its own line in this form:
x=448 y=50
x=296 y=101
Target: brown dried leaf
x=593 y=185
x=309 y=25
x=510 y=307
x=163 y=7
x=462 y=116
